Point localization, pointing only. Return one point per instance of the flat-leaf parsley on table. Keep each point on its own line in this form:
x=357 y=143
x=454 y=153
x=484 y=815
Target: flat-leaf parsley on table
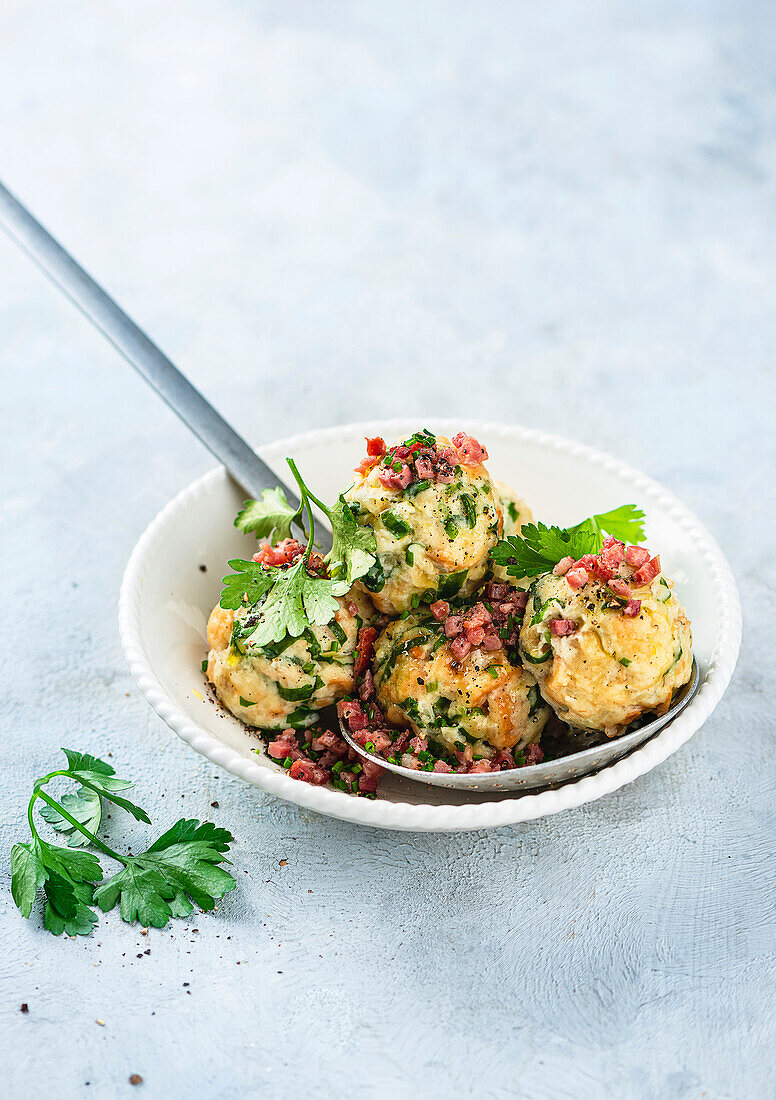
x=180 y=869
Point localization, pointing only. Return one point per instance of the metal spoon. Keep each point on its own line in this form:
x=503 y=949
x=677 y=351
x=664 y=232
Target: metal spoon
x=149 y=361
x=552 y=772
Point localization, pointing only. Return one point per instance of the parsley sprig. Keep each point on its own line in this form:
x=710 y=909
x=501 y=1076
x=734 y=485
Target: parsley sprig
x=293 y=599
x=269 y=518
x=180 y=869
x=538 y=548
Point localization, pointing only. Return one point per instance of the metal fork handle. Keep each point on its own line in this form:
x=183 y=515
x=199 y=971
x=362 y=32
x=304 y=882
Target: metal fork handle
x=141 y=352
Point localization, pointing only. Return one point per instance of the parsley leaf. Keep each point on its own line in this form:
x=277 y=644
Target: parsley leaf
x=73 y=866
x=538 y=548
x=295 y=601
x=625 y=523
x=181 y=867
x=85 y=805
x=66 y=877
x=96 y=774
x=179 y=870
x=354 y=549
x=68 y=907
x=246 y=585
x=27 y=875
x=79 y=763
x=269 y=518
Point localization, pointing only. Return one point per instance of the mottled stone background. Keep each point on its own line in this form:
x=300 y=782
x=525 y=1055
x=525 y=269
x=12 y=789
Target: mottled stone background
x=558 y=214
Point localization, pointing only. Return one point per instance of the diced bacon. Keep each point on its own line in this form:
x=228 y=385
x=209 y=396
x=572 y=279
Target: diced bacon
x=636 y=556
x=610 y=541
x=348 y=778
x=561 y=627
x=351 y=713
x=503 y=759
x=327 y=740
x=316 y=564
x=475 y=634
x=375 y=447
x=612 y=553
x=308 y=772
x=534 y=754
x=453 y=625
x=460 y=646
x=587 y=561
x=283 y=746
x=648 y=572
x=464 y=758
x=577 y=577
x=477 y=616
x=401 y=742
x=424 y=469
x=620 y=588
x=370 y=777
x=395 y=480
x=284 y=553
x=472 y=453
x=366 y=465
x=381 y=742
x=440 y=609
x=419 y=744
x=379 y=738
x=601 y=569
x=563 y=566
x=366 y=688
x=499 y=590
x=366 y=648
x=491 y=643
x=446 y=462
x=520 y=599
x=441 y=766
x=480 y=766
x=632 y=608
x=360 y=737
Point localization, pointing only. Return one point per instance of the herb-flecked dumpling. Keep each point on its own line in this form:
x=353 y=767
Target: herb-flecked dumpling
x=606 y=638
x=284 y=684
x=435 y=515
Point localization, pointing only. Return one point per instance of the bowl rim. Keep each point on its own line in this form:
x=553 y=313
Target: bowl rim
x=514 y=807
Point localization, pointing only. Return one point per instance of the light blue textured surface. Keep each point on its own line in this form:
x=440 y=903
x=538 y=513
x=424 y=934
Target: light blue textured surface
x=559 y=214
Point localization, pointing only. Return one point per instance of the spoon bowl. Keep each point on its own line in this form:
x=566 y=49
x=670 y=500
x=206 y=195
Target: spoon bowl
x=571 y=765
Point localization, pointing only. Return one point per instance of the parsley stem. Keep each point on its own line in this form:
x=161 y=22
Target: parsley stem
x=38 y=793
x=306 y=496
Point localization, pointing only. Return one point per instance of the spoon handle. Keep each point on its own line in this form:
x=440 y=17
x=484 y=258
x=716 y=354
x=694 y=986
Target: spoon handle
x=195 y=411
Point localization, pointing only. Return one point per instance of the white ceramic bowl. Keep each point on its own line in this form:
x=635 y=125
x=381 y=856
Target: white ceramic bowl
x=166 y=599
